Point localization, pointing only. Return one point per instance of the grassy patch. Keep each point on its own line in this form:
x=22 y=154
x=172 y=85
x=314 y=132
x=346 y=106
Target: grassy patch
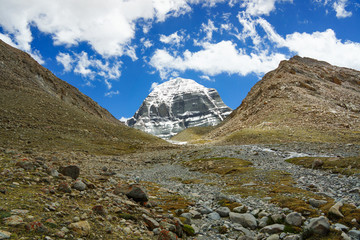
x=346 y=166
x=284 y=135
x=168 y=201
x=193 y=135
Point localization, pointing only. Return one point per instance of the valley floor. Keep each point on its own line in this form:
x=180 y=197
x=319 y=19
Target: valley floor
x=217 y=192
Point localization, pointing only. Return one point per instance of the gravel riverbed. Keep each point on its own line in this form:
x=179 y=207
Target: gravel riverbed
x=164 y=170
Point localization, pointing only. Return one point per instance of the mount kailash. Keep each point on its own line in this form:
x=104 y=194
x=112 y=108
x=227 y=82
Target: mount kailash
x=176 y=105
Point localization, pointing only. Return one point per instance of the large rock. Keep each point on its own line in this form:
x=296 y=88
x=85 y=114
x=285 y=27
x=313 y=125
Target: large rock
x=274 y=228
x=178 y=104
x=319 y=225
x=247 y=220
x=133 y=191
x=335 y=210
x=294 y=219
x=82 y=228
x=14 y=220
x=4 y=234
x=150 y=222
x=71 y=171
x=223 y=211
x=317 y=203
x=354 y=234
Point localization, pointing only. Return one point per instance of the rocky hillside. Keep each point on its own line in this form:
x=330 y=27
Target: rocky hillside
x=176 y=105
x=40 y=111
x=303 y=99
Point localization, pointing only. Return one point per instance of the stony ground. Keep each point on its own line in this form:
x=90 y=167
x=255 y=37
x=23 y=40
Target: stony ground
x=207 y=192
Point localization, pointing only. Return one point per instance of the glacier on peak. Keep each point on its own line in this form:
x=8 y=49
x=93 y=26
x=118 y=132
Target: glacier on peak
x=178 y=104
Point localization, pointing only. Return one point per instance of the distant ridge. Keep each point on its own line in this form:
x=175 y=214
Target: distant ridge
x=302 y=100
x=39 y=110
x=176 y=105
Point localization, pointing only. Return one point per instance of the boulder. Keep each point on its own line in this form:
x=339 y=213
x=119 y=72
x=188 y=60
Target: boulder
x=294 y=219
x=133 y=191
x=70 y=171
x=79 y=185
x=214 y=216
x=335 y=210
x=223 y=211
x=150 y=222
x=4 y=234
x=167 y=235
x=354 y=234
x=82 y=228
x=14 y=220
x=272 y=229
x=319 y=225
x=245 y=219
x=317 y=203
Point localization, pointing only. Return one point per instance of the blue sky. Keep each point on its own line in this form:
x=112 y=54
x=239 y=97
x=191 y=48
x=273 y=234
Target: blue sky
x=115 y=51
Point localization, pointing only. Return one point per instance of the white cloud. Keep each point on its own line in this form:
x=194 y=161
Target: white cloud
x=91 y=68
x=338 y=6
x=107 y=25
x=222 y=57
x=319 y=45
x=173 y=39
x=340 y=10
x=260 y=7
x=249 y=29
x=7 y=40
x=66 y=60
x=208 y=28
x=146 y=43
x=207 y=78
x=325 y=46
x=112 y=93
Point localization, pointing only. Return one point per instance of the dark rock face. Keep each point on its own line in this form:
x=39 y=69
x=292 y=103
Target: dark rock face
x=178 y=104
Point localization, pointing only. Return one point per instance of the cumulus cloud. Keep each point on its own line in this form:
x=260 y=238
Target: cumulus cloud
x=339 y=7
x=213 y=59
x=319 y=45
x=108 y=25
x=90 y=67
x=66 y=60
x=325 y=46
x=173 y=39
x=208 y=28
x=259 y=7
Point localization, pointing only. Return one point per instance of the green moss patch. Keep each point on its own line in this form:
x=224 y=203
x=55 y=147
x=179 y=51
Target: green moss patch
x=346 y=166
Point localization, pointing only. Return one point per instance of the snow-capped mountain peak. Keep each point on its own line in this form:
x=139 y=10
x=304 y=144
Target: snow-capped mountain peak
x=178 y=104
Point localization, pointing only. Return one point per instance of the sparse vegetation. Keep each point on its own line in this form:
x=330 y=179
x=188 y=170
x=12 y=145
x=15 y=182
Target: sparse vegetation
x=346 y=166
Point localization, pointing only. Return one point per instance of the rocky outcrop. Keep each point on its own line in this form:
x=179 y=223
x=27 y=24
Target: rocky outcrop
x=178 y=104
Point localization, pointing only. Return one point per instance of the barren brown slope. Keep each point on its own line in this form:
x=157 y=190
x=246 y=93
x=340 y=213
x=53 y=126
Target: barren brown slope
x=40 y=111
x=302 y=100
